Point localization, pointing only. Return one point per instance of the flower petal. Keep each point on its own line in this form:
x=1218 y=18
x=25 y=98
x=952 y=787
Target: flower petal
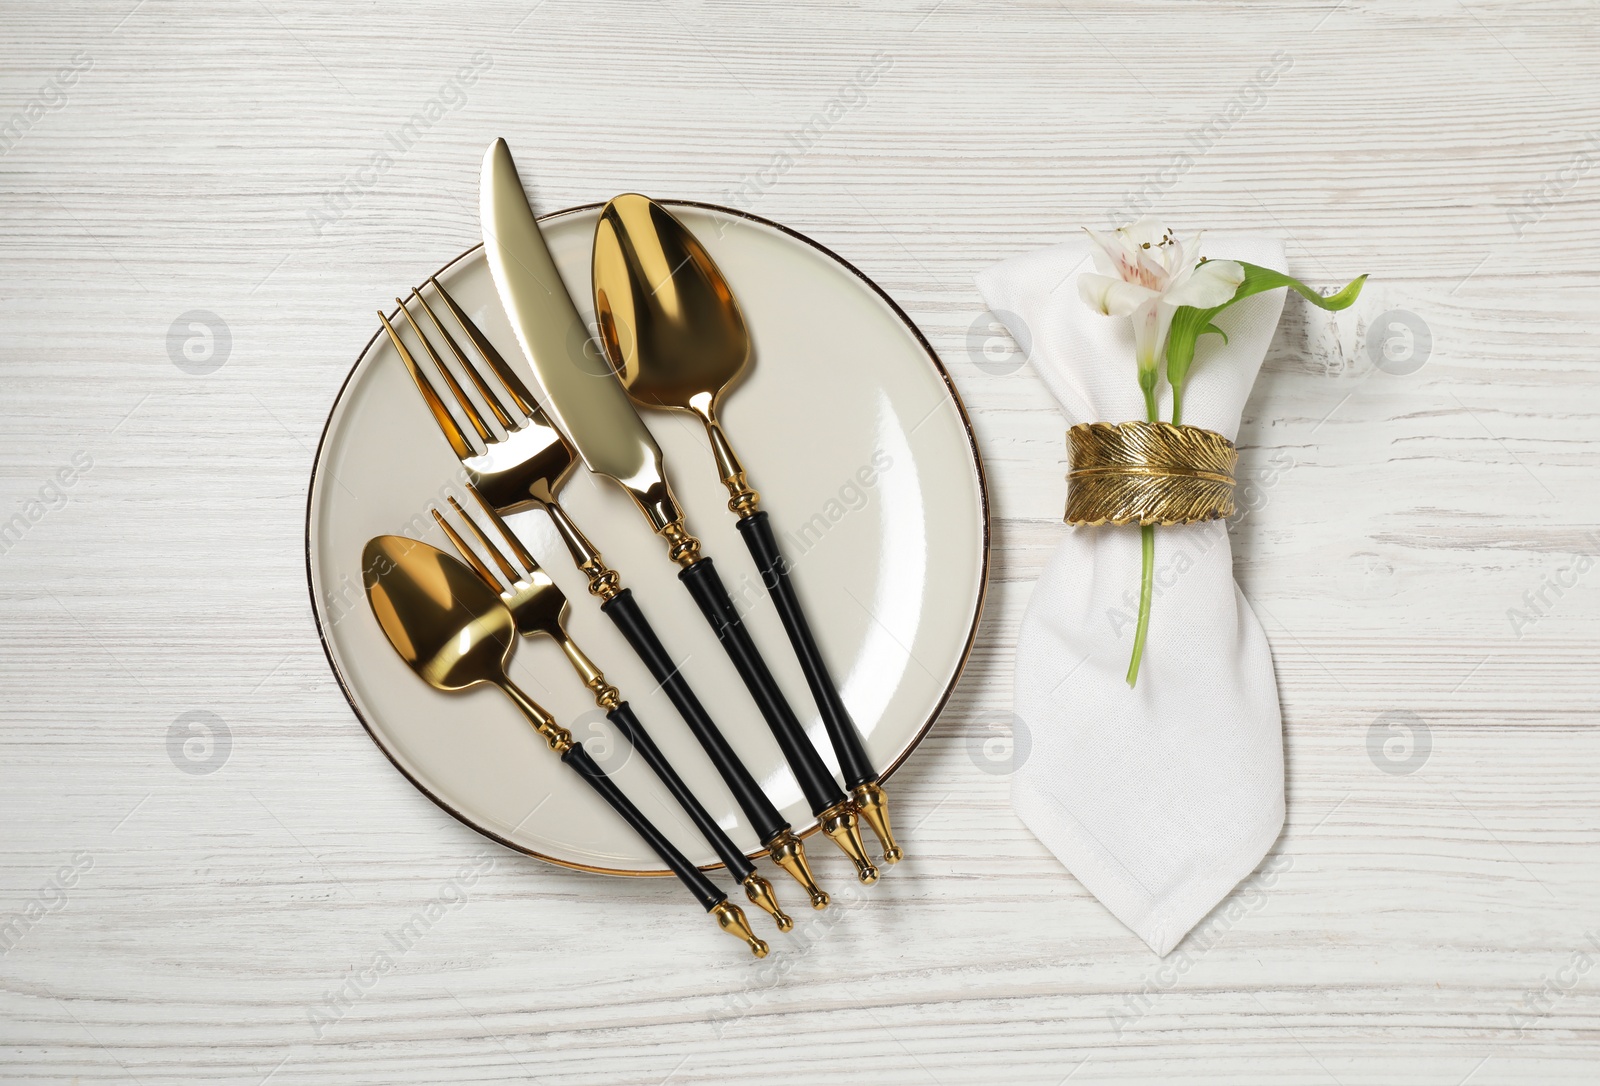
x=1112 y=257
x=1152 y=271
x=1208 y=284
x=1111 y=296
x=1151 y=323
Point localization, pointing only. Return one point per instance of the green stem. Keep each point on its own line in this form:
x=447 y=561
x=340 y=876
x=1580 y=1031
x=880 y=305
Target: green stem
x=1147 y=585
x=1147 y=541
x=1177 y=405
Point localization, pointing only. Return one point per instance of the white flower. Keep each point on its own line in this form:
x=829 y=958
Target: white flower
x=1146 y=273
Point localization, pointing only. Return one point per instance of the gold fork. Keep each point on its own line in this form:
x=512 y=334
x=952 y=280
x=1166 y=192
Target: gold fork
x=539 y=608
x=525 y=469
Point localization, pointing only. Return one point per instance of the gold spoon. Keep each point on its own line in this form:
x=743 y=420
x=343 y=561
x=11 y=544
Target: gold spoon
x=453 y=630
x=676 y=336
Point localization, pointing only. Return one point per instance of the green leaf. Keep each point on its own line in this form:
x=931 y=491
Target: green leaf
x=1189 y=323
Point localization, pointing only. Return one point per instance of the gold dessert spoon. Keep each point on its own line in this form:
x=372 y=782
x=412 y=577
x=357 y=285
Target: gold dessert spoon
x=454 y=631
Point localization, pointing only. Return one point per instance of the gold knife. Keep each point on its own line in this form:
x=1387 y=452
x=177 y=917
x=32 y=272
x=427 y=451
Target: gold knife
x=592 y=408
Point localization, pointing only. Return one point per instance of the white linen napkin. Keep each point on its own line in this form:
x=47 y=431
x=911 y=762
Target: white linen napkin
x=1159 y=798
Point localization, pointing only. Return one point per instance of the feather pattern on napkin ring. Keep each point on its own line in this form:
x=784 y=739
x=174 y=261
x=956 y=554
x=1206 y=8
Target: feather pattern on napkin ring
x=1148 y=473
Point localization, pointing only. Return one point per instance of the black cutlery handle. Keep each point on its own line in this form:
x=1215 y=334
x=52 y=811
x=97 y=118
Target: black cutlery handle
x=632 y=730
x=821 y=790
x=763 y=544
x=701 y=887
x=624 y=611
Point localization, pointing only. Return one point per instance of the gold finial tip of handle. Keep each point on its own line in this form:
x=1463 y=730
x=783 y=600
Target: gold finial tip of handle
x=873 y=806
x=843 y=828
x=730 y=918
x=759 y=891
x=789 y=853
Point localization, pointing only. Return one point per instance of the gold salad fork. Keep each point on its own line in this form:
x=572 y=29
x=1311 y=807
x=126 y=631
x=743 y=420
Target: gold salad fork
x=539 y=609
x=523 y=464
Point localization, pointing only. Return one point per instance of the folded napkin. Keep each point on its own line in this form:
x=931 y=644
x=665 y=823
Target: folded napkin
x=1162 y=797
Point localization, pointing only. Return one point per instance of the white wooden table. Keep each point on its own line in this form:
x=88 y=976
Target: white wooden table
x=1430 y=915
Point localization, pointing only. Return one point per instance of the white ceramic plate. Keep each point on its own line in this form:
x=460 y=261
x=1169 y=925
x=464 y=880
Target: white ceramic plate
x=865 y=462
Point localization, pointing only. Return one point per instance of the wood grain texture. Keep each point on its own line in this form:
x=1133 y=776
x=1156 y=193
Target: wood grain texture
x=1434 y=923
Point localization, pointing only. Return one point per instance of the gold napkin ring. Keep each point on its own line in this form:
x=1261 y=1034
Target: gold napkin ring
x=1148 y=473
